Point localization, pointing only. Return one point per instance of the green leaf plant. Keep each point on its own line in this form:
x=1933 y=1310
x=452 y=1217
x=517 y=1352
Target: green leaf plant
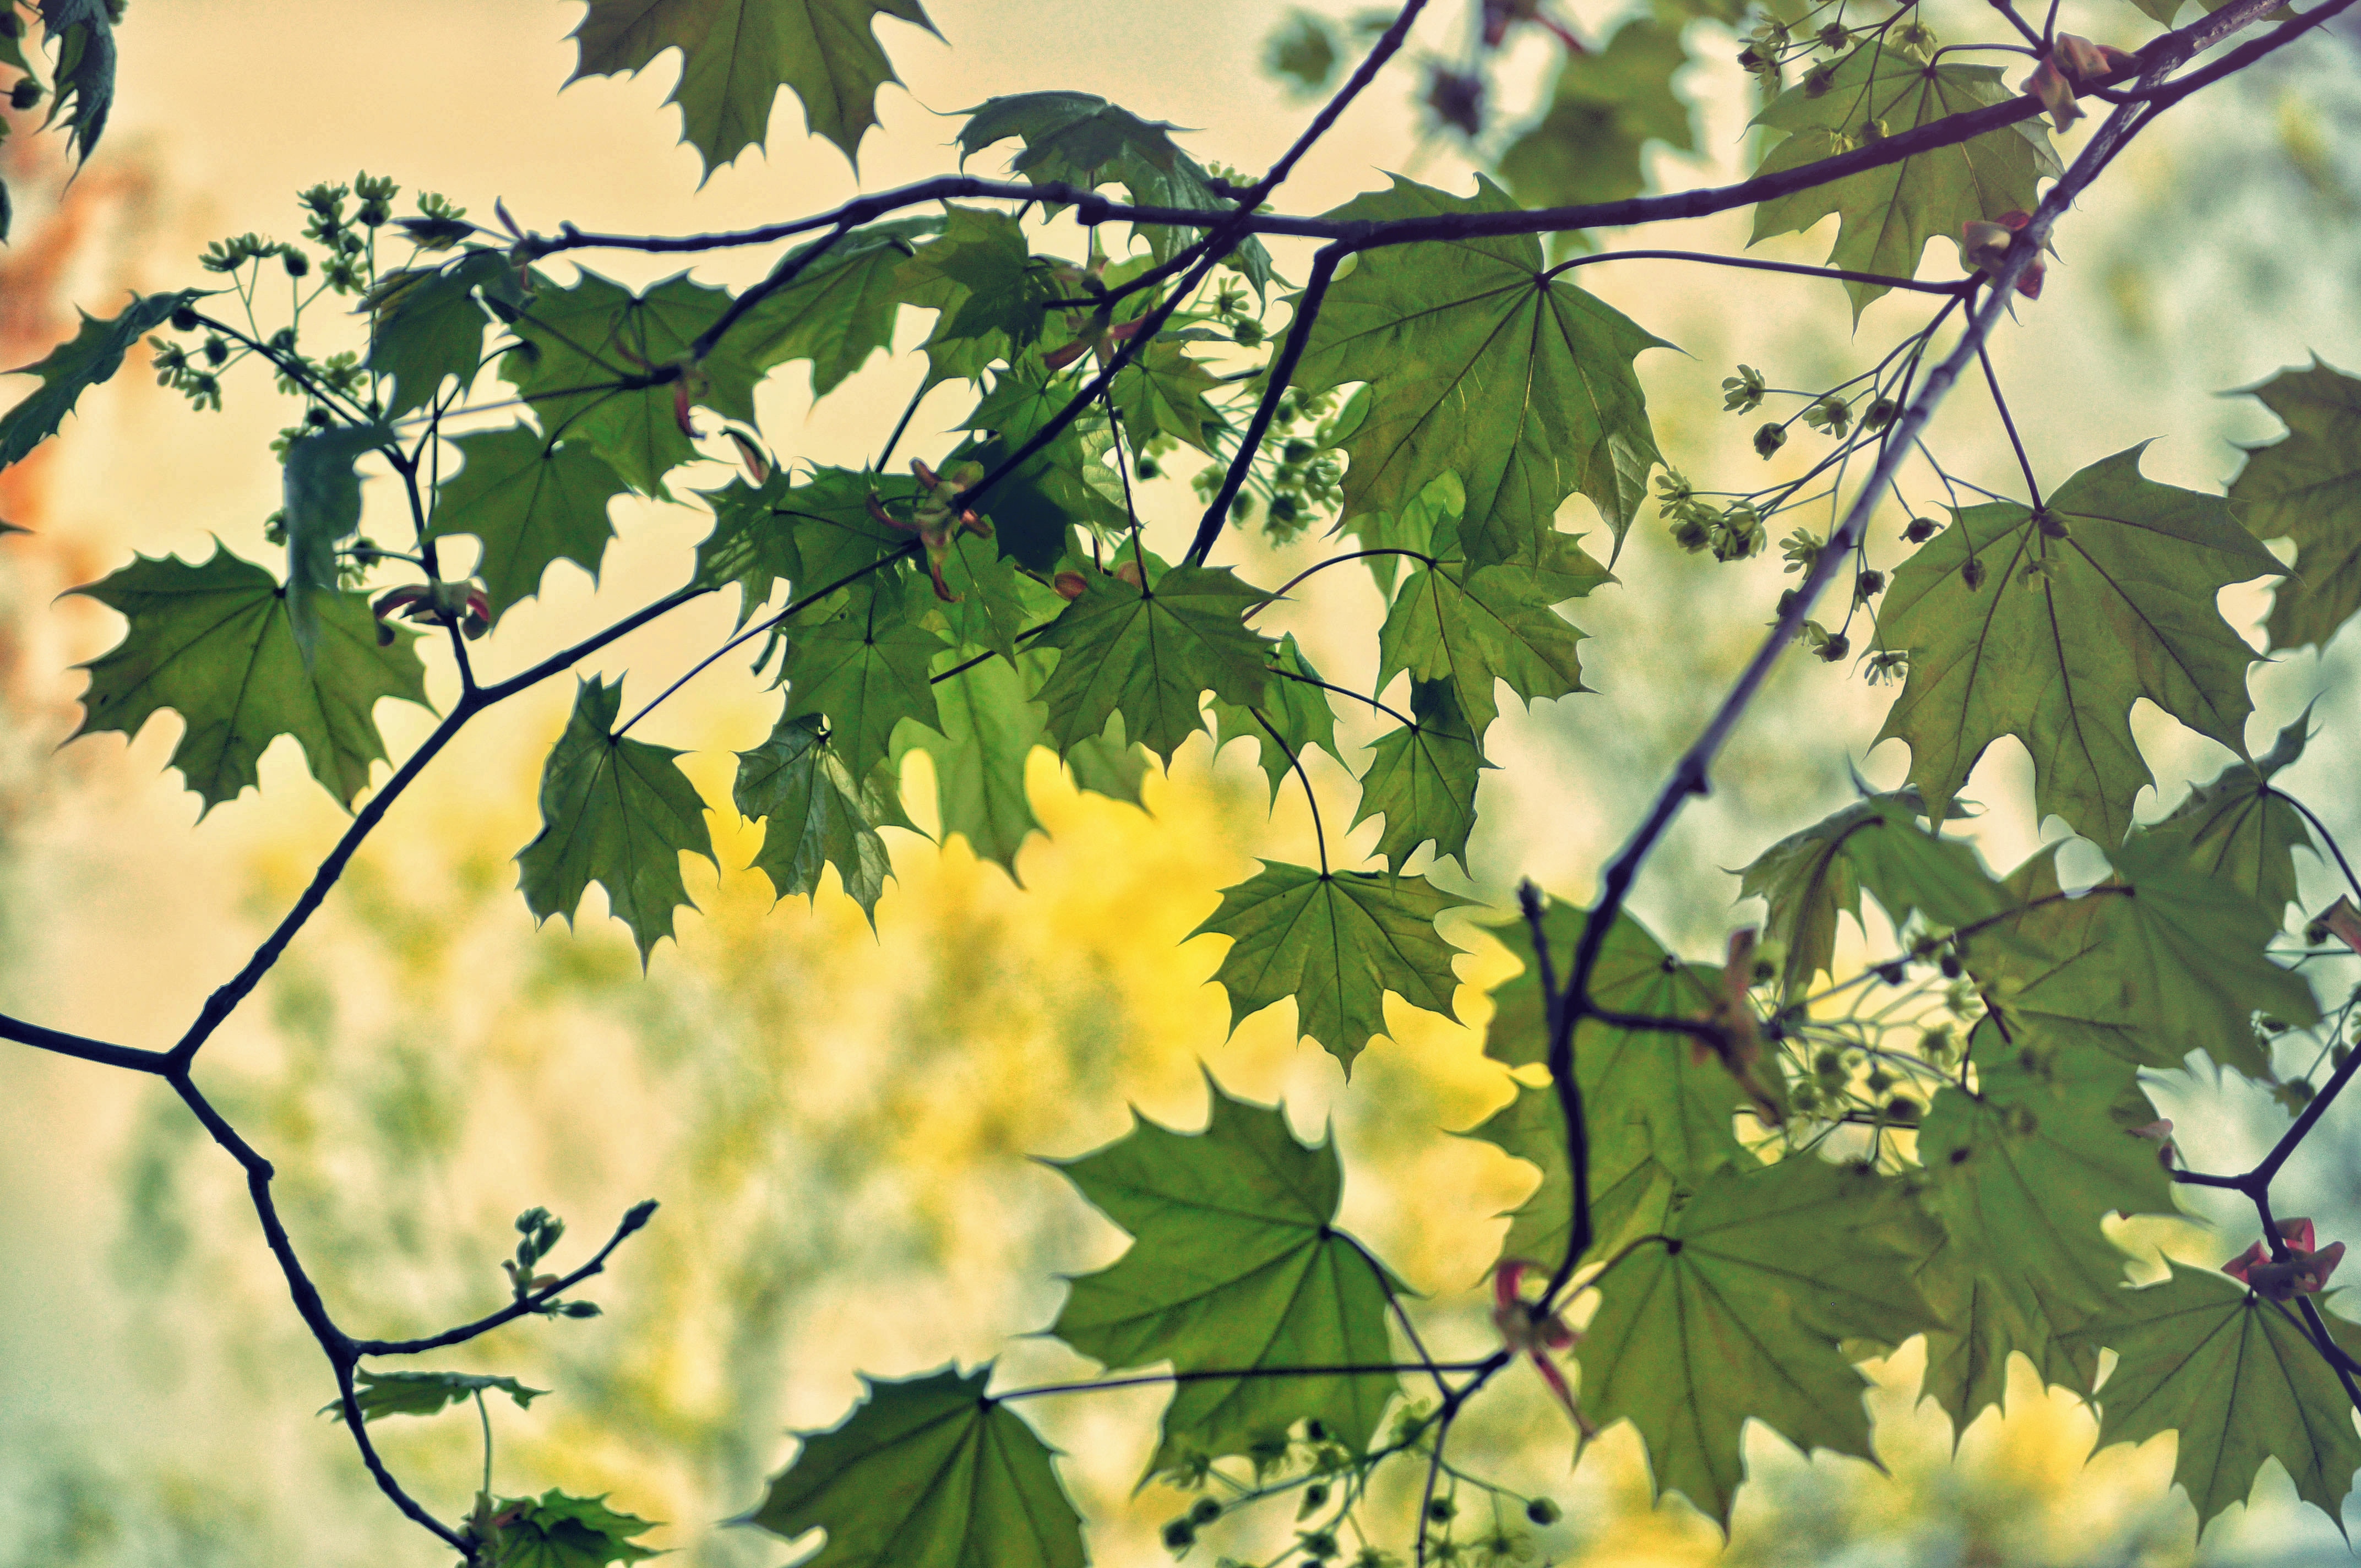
x=1758 y=1166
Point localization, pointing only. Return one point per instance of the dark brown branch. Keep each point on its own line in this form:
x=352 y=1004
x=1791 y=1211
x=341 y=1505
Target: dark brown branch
x=1291 y=352
x=81 y=1048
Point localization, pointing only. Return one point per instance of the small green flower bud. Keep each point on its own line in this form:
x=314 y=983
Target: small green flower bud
x=1921 y=530
x=1541 y=1511
x=1770 y=438
x=1972 y=572
x=184 y=320
x=1442 y=1510
x=581 y=1308
x=1179 y=1535
x=25 y=94
x=1247 y=333
x=294 y=260
x=1835 y=648
x=216 y=350
x=1949 y=964
x=1206 y=1510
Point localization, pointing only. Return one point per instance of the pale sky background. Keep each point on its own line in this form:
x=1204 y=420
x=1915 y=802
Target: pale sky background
x=127 y=917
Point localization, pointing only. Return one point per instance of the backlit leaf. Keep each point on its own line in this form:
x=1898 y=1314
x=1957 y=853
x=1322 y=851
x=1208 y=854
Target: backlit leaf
x=1074 y=139
x=1604 y=110
x=532 y=501
x=986 y=726
x=428 y=326
x=1888 y=213
x=1336 y=942
x=867 y=670
x=1740 y=1313
x=1422 y=780
x=736 y=54
x=816 y=811
x=2106 y=599
x=322 y=509
x=94 y=355
x=1483 y=365
x=2236 y=1378
x=216 y=644
x=2307 y=487
x=2236 y=829
x=1235 y=1262
x=839 y=310
x=1151 y=653
x=1469 y=626
x=555 y=1530
x=1299 y=711
x=423 y=1393
x=615 y=811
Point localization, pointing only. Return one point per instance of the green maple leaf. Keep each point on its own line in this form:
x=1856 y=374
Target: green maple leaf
x=839 y=310
x=992 y=604
x=2307 y=487
x=2119 y=605
x=818 y=812
x=1887 y=215
x=216 y=644
x=322 y=509
x=751 y=545
x=424 y=1393
x=1235 y=1264
x=1422 y=779
x=1808 y=877
x=1075 y=138
x=1111 y=765
x=2162 y=959
x=1604 y=109
x=1657 y=1120
x=615 y=811
x=736 y=54
x=985 y=727
x=1290 y=704
x=1482 y=365
x=1336 y=942
x=988 y=289
x=1151 y=653
x=555 y=1530
x=867 y=670
x=2240 y=1382
x=1468 y=626
x=820 y=532
x=426 y=326
x=927 y=1472
x=2236 y=829
x=2021 y=1173
x=532 y=501
x=1739 y=1311
x=1162 y=392
x=1035 y=508
x=83 y=32
x=588 y=361
x=1981 y=1323
x=94 y=355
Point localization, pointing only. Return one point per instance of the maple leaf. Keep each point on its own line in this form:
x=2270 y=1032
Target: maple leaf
x=1150 y=653
x=1422 y=779
x=217 y=644
x=1888 y=213
x=586 y=363
x=83 y=32
x=1738 y=1312
x=989 y=291
x=2106 y=598
x=555 y=1530
x=1235 y=1262
x=1076 y=138
x=986 y=726
x=94 y=355
x=1468 y=626
x=736 y=54
x=1807 y=878
x=2236 y=829
x=2162 y=959
x=531 y=501
x=867 y=670
x=2021 y=1173
x=1336 y=942
x=322 y=496
x=818 y=812
x=1658 y=1120
x=2307 y=487
x=1604 y=109
x=426 y=326
x=1110 y=765
x=839 y=310
x=1162 y=392
x=423 y=1393
x=2237 y=1378
x=615 y=811
x=1980 y=1322
x=926 y=1472
x=1482 y=365
x=1299 y=711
